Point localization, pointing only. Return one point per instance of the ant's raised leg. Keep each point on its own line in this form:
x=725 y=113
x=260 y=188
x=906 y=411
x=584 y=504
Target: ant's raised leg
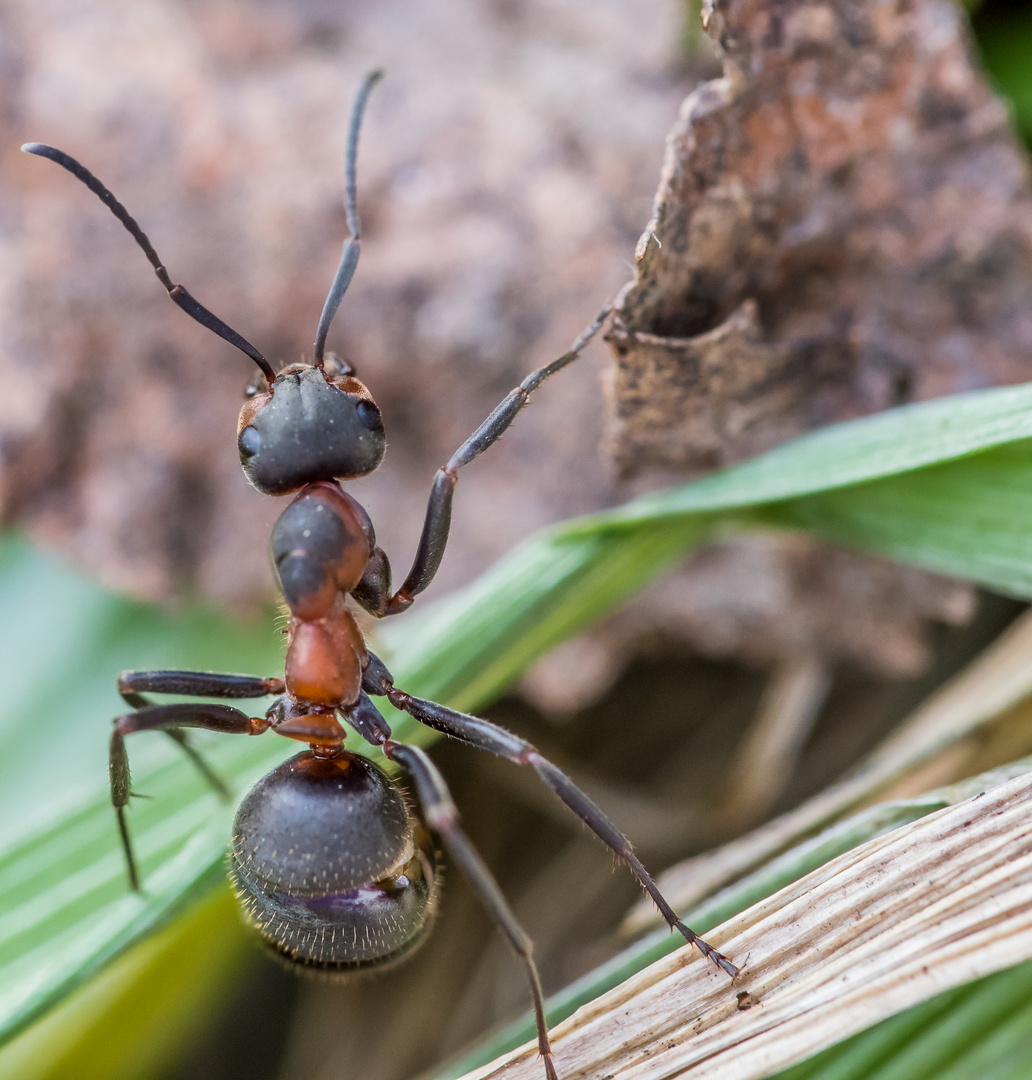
x=487 y=736
x=443 y=818
x=374 y=590
x=167 y=718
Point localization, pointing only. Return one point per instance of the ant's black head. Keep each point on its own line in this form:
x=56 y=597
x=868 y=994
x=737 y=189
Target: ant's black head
x=310 y=425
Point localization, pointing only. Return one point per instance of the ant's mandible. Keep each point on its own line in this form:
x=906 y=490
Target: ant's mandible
x=334 y=867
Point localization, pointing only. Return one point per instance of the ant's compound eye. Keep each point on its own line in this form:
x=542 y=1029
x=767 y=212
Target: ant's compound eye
x=369 y=415
x=332 y=865
x=250 y=442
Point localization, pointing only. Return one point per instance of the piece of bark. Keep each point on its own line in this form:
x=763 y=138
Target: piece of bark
x=728 y=387
x=843 y=224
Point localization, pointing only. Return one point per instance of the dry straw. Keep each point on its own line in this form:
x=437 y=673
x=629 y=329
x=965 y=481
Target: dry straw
x=937 y=903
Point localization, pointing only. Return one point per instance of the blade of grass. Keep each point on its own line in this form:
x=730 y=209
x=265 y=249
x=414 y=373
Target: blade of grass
x=969 y=519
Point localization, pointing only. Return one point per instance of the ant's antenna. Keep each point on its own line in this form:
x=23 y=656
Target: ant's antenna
x=178 y=294
x=352 y=246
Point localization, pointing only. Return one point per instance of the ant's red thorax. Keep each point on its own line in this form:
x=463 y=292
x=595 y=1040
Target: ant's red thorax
x=320 y=547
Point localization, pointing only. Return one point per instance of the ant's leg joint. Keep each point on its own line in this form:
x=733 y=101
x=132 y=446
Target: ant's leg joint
x=368 y=721
x=443 y=819
x=399 y=699
x=376 y=679
x=401 y=601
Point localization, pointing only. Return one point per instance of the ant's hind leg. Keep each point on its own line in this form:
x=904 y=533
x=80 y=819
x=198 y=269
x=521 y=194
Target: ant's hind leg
x=167 y=718
x=496 y=740
x=443 y=818
x=374 y=590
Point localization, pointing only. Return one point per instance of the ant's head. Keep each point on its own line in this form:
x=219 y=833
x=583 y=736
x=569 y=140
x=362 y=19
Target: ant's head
x=313 y=423
x=309 y=422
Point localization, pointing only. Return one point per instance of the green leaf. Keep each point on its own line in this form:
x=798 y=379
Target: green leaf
x=970 y=519
x=888 y=444
x=119 y=1024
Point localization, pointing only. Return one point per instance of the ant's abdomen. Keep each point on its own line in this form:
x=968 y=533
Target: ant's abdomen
x=331 y=864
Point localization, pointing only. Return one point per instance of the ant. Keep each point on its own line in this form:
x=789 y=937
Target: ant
x=334 y=866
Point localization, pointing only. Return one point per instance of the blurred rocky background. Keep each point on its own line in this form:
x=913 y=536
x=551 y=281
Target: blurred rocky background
x=843 y=223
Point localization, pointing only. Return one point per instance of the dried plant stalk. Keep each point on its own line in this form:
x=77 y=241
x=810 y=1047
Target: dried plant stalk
x=938 y=903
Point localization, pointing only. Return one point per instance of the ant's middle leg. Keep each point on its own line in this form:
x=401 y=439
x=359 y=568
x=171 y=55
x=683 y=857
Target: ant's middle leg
x=374 y=590
x=132 y=685
x=197 y=684
x=168 y=718
x=496 y=740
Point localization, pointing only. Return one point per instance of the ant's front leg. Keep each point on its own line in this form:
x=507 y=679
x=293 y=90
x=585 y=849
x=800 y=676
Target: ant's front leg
x=171 y=719
x=374 y=590
x=496 y=740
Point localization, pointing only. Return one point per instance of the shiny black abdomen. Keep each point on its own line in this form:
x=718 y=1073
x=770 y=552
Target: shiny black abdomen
x=332 y=865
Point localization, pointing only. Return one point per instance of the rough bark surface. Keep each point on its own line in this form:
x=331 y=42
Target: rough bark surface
x=843 y=224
